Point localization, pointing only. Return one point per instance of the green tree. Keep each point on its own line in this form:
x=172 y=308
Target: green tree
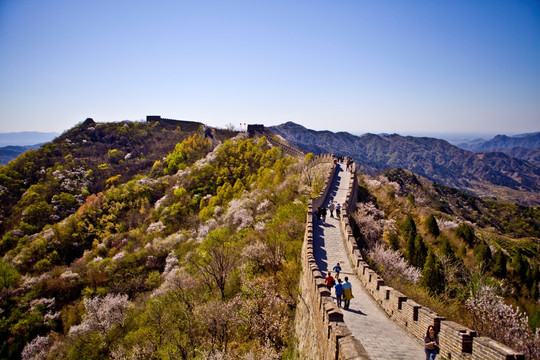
x=431 y=226
x=499 y=266
x=409 y=249
x=216 y=259
x=408 y=228
x=37 y=214
x=466 y=233
x=8 y=275
x=447 y=249
x=420 y=251
x=432 y=276
x=482 y=254
x=519 y=266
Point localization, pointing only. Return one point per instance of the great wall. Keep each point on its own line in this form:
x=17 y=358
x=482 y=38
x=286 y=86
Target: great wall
x=322 y=329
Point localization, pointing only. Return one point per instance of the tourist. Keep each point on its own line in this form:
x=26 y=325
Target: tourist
x=331 y=207
x=338 y=210
x=431 y=342
x=337 y=270
x=330 y=281
x=347 y=292
x=339 y=292
x=323 y=214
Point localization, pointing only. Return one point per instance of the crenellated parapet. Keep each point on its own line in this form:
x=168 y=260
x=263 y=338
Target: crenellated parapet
x=457 y=341
x=320 y=329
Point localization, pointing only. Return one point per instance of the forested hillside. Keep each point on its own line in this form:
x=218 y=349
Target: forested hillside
x=195 y=255
x=146 y=240
x=471 y=260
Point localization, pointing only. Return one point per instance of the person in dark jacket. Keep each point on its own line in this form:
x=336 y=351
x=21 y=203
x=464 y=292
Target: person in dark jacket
x=431 y=343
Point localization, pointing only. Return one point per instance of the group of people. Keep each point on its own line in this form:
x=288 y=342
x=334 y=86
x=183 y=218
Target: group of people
x=343 y=291
x=322 y=211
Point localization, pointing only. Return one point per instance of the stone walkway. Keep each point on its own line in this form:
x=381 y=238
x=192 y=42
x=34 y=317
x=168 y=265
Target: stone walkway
x=380 y=336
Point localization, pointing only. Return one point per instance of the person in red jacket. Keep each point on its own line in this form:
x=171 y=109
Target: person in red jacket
x=330 y=281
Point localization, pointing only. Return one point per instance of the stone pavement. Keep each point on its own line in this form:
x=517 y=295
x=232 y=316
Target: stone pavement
x=380 y=336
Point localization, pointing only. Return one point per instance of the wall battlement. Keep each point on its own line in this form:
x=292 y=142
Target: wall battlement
x=320 y=329
x=171 y=123
x=457 y=341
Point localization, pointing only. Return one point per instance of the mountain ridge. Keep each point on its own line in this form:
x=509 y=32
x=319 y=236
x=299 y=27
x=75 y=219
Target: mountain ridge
x=492 y=174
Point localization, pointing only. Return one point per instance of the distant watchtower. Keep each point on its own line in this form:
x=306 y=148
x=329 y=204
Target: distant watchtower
x=255 y=129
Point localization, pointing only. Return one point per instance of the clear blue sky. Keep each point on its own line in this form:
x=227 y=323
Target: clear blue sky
x=352 y=65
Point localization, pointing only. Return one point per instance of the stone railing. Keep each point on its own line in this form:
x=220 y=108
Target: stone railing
x=457 y=341
x=320 y=329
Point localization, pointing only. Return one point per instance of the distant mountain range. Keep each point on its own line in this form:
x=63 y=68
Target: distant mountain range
x=525 y=147
x=25 y=138
x=8 y=153
x=503 y=142
x=15 y=143
x=491 y=174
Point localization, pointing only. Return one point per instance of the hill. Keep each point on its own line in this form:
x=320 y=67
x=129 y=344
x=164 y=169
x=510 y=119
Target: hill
x=503 y=142
x=8 y=153
x=494 y=175
x=454 y=253
x=190 y=246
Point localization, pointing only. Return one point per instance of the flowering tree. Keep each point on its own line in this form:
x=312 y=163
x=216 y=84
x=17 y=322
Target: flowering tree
x=393 y=264
x=370 y=221
x=493 y=318
x=101 y=314
x=37 y=349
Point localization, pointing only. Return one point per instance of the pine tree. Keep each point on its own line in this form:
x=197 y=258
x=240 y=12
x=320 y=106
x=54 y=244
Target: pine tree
x=431 y=226
x=482 y=254
x=499 y=266
x=466 y=233
x=410 y=251
x=519 y=266
x=432 y=276
x=446 y=249
x=420 y=251
x=408 y=228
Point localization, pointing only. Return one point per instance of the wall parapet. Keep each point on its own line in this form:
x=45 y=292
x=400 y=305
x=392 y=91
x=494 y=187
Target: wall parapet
x=456 y=341
x=287 y=149
x=320 y=329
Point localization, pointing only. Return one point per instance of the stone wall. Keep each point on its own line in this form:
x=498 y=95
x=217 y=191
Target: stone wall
x=457 y=341
x=320 y=329
x=172 y=124
x=287 y=149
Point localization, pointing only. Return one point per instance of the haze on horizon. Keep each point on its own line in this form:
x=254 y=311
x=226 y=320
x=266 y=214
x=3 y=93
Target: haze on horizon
x=415 y=67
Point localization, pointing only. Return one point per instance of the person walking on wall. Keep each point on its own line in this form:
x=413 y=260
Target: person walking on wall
x=337 y=270
x=339 y=292
x=331 y=207
x=338 y=210
x=323 y=213
x=330 y=281
x=347 y=293
x=431 y=343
